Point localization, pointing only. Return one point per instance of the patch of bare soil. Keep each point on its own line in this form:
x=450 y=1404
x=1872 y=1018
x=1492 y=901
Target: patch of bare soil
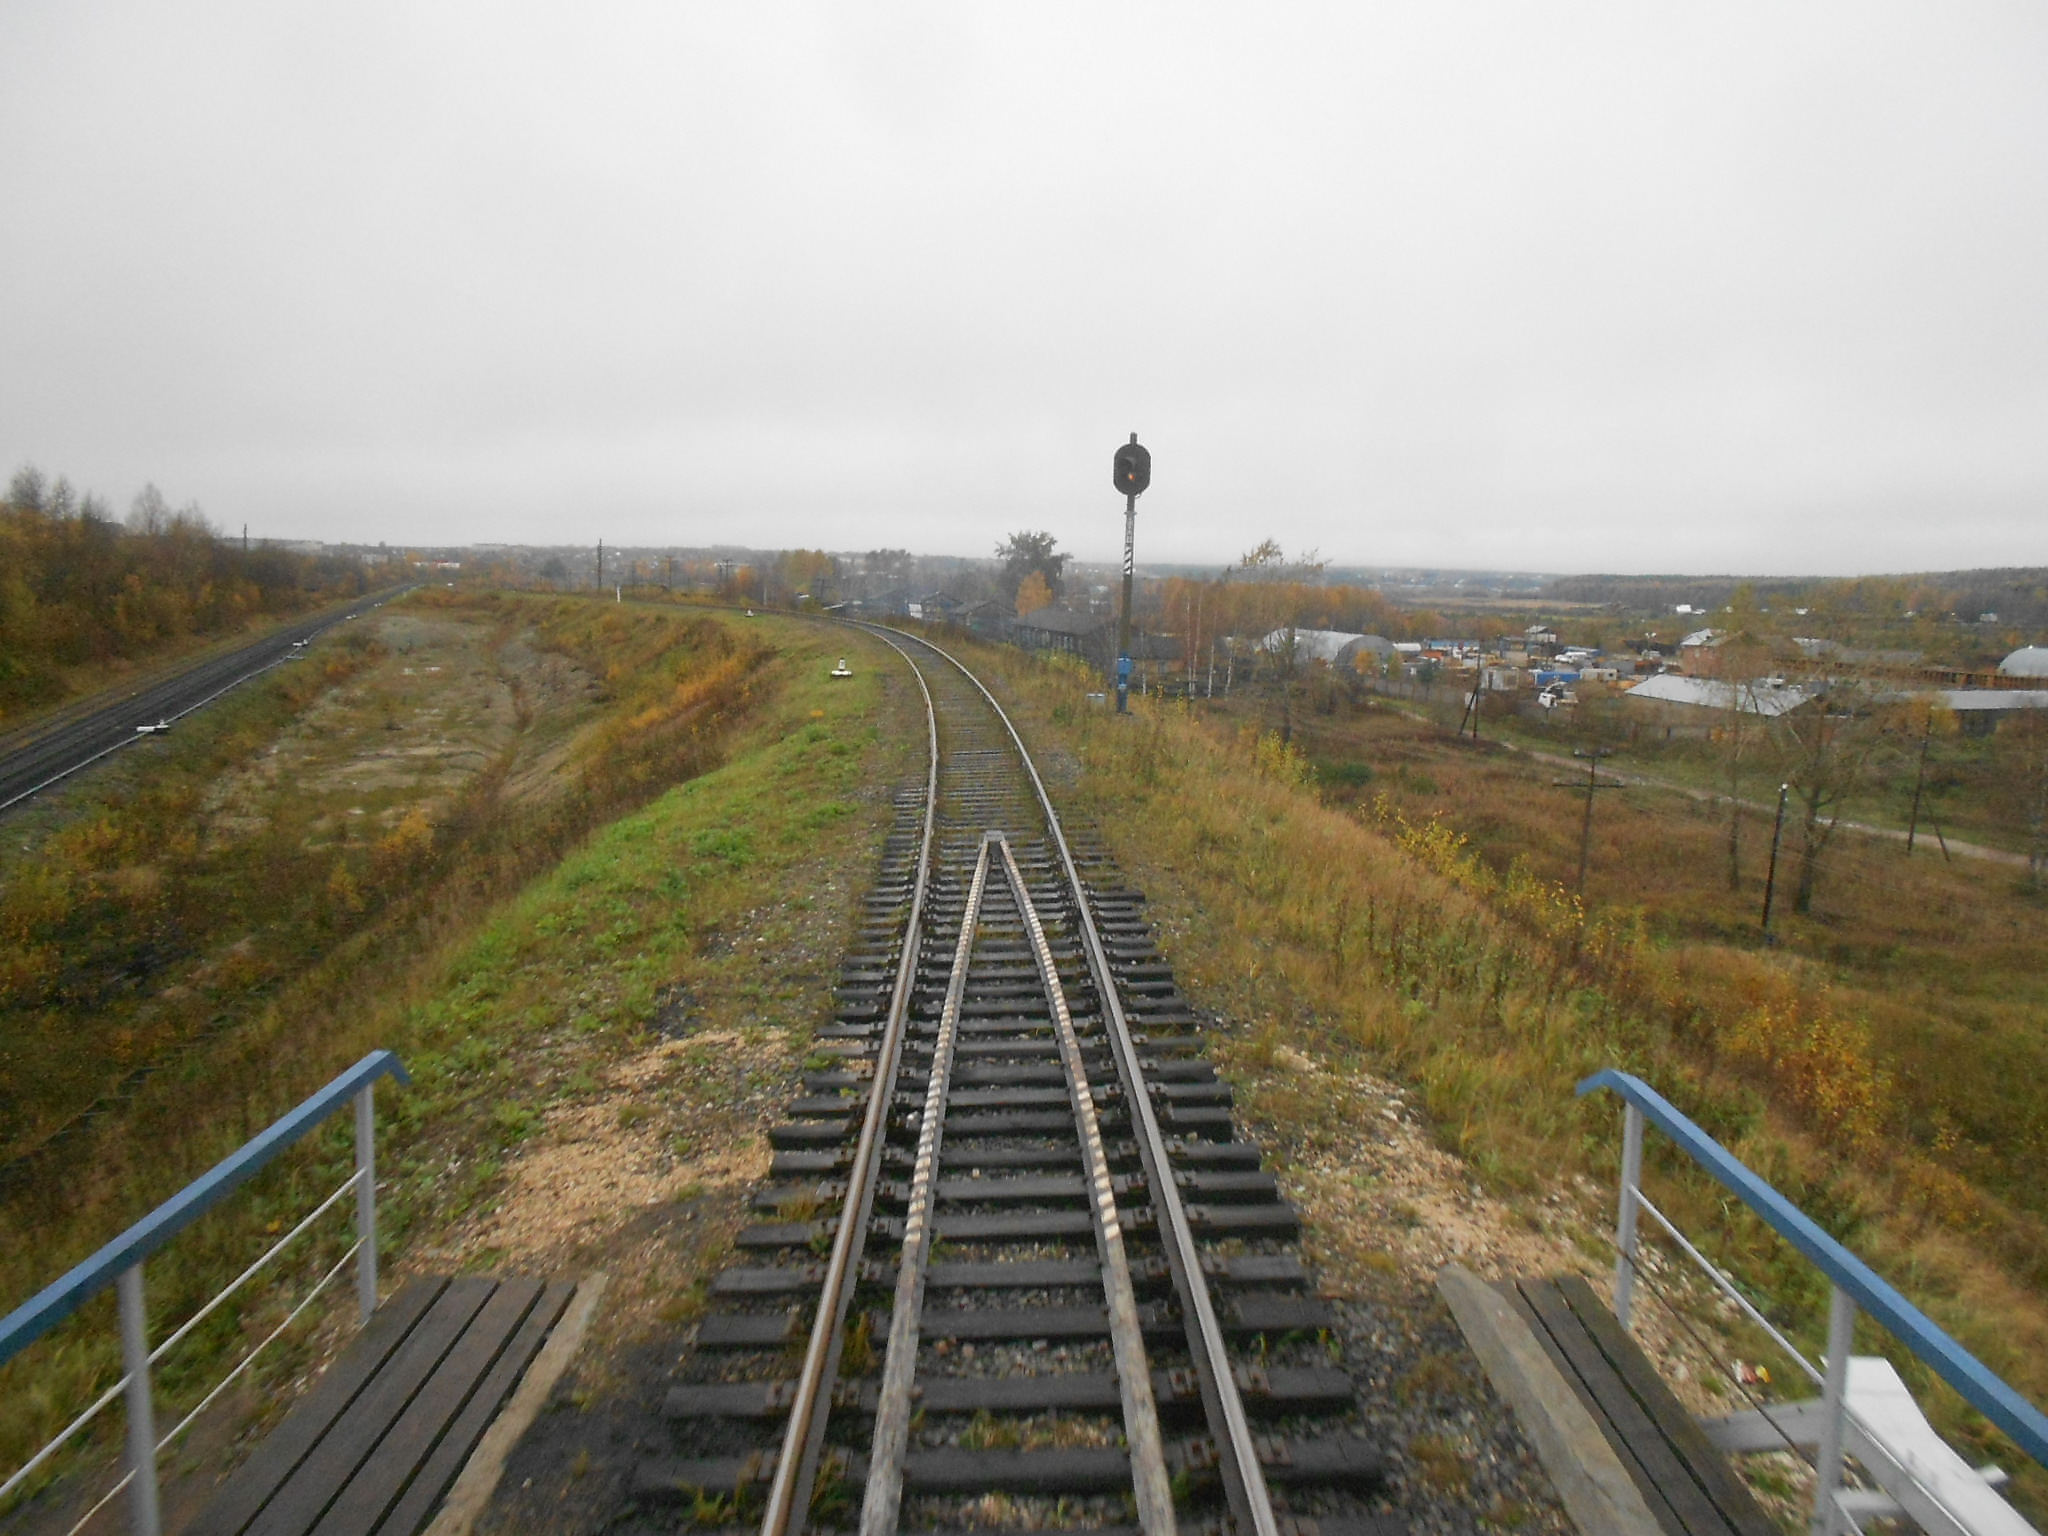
x=449 y=699
x=647 y=1177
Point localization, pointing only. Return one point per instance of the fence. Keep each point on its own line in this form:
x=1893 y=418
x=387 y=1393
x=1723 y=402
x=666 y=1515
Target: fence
x=1917 y=1475
x=120 y=1262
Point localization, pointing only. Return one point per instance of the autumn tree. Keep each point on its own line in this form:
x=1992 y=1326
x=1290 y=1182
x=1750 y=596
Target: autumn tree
x=810 y=572
x=1023 y=554
x=1033 y=593
x=76 y=591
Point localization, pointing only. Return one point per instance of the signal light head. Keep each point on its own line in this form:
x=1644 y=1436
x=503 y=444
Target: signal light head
x=1133 y=468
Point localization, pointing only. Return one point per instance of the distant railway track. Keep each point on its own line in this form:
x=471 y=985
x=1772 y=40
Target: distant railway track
x=1013 y=1268
x=45 y=755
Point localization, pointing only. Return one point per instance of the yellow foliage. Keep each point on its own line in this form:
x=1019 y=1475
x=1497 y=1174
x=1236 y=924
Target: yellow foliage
x=1033 y=593
x=409 y=840
x=1816 y=1059
x=343 y=891
x=1275 y=759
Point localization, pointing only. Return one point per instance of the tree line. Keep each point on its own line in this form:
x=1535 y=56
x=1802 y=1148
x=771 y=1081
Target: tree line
x=80 y=590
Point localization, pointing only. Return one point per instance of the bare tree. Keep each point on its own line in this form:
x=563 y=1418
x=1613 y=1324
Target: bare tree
x=2021 y=752
x=1826 y=748
x=149 y=512
x=28 y=489
x=1736 y=663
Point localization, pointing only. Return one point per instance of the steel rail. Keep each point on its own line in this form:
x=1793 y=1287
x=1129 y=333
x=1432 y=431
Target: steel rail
x=899 y=1372
x=1243 y=1480
x=803 y=1441
x=1127 y=1338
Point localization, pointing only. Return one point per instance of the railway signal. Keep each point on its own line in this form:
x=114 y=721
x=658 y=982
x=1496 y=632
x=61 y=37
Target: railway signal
x=1132 y=473
x=1133 y=468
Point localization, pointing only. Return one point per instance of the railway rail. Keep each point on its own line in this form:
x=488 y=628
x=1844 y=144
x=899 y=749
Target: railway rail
x=44 y=755
x=1014 y=1267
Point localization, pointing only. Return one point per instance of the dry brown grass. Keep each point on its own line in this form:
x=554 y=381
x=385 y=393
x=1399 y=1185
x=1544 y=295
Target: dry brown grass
x=1430 y=954
x=499 y=1007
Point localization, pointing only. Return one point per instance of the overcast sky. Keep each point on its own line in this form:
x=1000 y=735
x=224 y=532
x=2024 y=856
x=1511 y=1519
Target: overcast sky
x=1627 y=286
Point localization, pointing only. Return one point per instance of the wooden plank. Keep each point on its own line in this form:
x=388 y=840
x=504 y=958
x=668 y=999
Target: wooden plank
x=379 y=1482
x=1728 y=1491
x=1672 y=1479
x=432 y=1482
x=320 y=1478
x=229 y=1511
x=1653 y=1500
x=1595 y=1488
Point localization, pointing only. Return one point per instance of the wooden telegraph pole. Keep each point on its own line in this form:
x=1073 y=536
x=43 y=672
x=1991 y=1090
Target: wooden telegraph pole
x=1771 y=875
x=1589 y=789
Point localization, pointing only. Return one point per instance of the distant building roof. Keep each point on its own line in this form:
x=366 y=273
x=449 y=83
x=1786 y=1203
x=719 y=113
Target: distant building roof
x=1702 y=637
x=1059 y=621
x=1706 y=693
x=2027 y=661
x=1331 y=645
x=1969 y=700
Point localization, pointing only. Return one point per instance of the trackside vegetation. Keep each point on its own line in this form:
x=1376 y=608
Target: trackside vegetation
x=83 y=598
x=1368 y=937
x=525 y=939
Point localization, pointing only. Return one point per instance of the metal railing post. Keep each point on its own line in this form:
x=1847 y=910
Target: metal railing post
x=143 y=1517
x=366 y=1199
x=1625 y=1224
x=1834 y=1405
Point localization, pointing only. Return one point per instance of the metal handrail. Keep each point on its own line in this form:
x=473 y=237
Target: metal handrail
x=1853 y=1284
x=119 y=1264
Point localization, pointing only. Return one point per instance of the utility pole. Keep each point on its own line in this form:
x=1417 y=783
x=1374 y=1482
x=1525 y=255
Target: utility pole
x=1132 y=472
x=1590 y=788
x=1919 y=781
x=1472 y=705
x=600 y=565
x=1771 y=878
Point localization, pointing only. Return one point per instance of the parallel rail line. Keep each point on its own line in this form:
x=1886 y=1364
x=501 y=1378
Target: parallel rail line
x=1090 y=1282
x=45 y=754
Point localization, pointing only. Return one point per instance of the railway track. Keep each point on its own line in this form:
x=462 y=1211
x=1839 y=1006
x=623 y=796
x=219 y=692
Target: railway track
x=41 y=756
x=1013 y=1268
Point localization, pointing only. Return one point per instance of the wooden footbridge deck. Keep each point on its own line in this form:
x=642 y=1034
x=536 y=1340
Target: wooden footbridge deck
x=376 y=1445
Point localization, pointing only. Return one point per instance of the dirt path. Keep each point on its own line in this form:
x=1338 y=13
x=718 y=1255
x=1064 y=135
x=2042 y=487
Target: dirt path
x=1948 y=845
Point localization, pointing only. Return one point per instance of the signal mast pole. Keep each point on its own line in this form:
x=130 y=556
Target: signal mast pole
x=1133 y=472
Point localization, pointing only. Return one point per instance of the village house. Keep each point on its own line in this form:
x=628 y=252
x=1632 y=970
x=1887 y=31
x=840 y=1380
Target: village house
x=1088 y=635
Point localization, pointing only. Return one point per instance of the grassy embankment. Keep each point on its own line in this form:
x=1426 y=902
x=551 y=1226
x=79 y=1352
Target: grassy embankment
x=1360 y=935
x=1933 y=963
x=505 y=973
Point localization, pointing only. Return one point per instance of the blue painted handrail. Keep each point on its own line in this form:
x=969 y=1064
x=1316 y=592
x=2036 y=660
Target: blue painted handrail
x=58 y=1300
x=1982 y=1389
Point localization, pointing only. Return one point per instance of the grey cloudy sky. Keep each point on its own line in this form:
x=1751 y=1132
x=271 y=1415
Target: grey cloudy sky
x=1589 y=284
